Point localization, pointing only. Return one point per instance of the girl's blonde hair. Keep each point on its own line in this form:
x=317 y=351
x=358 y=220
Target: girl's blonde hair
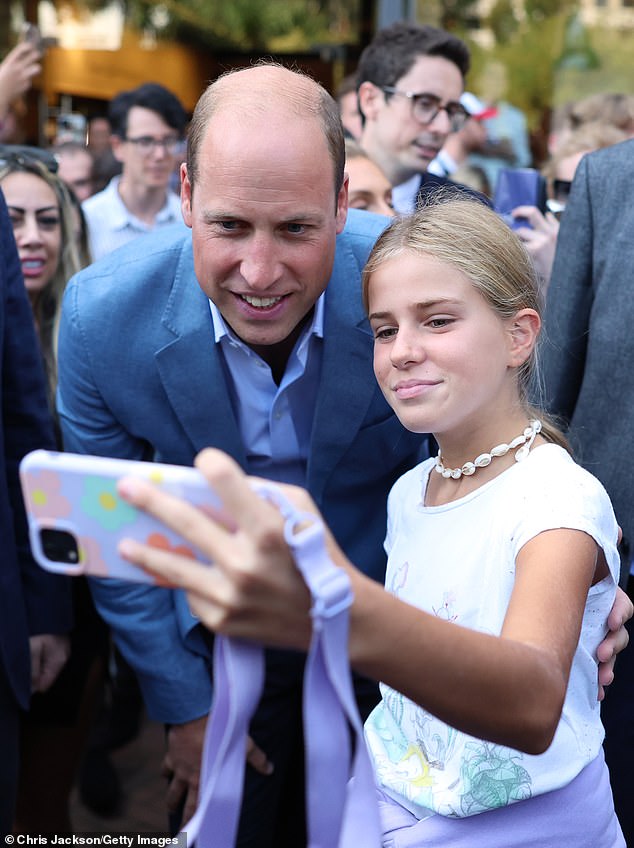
x=467 y=235
x=48 y=309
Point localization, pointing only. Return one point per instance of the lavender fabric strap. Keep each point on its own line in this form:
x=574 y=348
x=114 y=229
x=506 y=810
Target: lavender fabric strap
x=341 y=802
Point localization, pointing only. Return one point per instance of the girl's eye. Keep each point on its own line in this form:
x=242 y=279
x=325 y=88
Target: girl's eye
x=439 y=323
x=385 y=333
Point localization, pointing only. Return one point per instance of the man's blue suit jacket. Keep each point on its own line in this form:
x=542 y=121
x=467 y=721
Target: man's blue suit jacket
x=32 y=602
x=141 y=377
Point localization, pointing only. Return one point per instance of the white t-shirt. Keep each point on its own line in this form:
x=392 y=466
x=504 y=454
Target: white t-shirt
x=457 y=561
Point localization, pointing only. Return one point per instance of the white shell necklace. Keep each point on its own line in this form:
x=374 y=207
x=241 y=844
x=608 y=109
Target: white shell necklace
x=524 y=442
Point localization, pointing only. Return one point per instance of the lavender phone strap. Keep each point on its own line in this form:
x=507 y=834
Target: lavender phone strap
x=341 y=803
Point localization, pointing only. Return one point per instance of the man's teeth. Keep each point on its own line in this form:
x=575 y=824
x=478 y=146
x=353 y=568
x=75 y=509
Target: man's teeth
x=261 y=302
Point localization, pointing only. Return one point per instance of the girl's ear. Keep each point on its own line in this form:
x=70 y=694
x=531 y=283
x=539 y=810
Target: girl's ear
x=523 y=330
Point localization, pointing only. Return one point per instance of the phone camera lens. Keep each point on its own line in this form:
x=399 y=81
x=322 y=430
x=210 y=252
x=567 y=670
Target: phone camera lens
x=60 y=546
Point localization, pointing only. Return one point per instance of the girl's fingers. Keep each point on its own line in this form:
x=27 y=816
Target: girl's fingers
x=171 y=568
x=251 y=512
x=207 y=530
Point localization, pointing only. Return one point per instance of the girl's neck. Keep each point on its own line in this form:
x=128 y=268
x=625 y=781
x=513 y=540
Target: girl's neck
x=458 y=449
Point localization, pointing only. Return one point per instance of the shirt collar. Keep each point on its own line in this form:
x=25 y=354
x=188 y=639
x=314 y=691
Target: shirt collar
x=120 y=215
x=404 y=195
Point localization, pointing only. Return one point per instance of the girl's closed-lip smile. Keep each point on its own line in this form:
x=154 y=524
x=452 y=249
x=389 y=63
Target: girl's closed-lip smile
x=413 y=388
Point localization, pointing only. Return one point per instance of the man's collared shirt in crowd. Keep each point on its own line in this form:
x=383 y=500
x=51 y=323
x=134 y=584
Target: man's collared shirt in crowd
x=111 y=224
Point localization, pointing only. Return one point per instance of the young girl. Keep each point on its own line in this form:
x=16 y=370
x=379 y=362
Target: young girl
x=502 y=560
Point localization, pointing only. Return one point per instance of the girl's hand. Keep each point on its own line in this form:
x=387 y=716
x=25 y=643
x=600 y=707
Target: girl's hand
x=252 y=589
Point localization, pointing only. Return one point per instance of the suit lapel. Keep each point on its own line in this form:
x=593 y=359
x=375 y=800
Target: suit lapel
x=191 y=369
x=347 y=383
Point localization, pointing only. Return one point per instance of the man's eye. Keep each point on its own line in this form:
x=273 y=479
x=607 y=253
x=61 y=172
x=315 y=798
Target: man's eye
x=426 y=102
x=295 y=228
x=228 y=225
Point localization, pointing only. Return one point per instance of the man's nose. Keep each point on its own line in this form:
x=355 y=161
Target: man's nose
x=441 y=123
x=260 y=266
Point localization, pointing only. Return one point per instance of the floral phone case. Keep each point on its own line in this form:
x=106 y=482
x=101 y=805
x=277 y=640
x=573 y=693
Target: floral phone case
x=76 y=518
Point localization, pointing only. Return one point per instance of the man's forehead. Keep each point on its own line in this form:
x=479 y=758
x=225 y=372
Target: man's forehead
x=140 y=116
x=433 y=75
x=236 y=138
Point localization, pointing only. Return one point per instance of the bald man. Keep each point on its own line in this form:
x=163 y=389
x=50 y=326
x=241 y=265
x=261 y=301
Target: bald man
x=249 y=335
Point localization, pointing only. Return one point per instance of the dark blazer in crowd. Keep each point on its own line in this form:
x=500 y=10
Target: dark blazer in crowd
x=589 y=379
x=588 y=354
x=32 y=602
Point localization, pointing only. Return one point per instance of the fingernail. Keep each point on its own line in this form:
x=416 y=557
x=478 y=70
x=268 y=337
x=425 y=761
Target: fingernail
x=125 y=548
x=128 y=487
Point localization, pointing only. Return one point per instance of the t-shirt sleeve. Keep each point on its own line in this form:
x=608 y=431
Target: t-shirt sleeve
x=572 y=499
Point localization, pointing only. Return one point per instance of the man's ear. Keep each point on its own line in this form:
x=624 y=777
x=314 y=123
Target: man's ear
x=371 y=99
x=186 y=195
x=523 y=330
x=116 y=145
x=342 y=205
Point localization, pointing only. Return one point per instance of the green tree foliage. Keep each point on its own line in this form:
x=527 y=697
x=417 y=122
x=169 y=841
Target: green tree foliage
x=243 y=24
x=530 y=47
x=457 y=15
x=502 y=21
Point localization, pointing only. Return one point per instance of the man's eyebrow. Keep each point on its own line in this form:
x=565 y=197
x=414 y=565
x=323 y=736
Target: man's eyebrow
x=211 y=215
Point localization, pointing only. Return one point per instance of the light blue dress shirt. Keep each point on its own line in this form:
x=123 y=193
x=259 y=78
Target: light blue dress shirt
x=275 y=421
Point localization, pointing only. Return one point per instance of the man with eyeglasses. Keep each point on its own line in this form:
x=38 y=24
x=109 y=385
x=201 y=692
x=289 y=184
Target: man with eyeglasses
x=410 y=79
x=148 y=126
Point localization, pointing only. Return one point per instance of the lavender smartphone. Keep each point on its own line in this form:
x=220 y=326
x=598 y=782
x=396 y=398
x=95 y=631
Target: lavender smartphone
x=76 y=518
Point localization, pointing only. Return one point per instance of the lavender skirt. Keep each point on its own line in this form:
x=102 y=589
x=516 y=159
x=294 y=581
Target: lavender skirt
x=580 y=814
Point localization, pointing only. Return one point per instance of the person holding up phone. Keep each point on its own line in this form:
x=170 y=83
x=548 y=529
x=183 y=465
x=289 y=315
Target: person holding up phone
x=248 y=335
x=502 y=560
x=17 y=70
x=541 y=230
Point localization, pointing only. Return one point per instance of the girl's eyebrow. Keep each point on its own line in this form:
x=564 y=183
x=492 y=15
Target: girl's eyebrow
x=421 y=306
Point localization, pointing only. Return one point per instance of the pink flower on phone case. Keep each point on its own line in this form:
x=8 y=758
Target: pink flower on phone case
x=90 y=551
x=45 y=497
